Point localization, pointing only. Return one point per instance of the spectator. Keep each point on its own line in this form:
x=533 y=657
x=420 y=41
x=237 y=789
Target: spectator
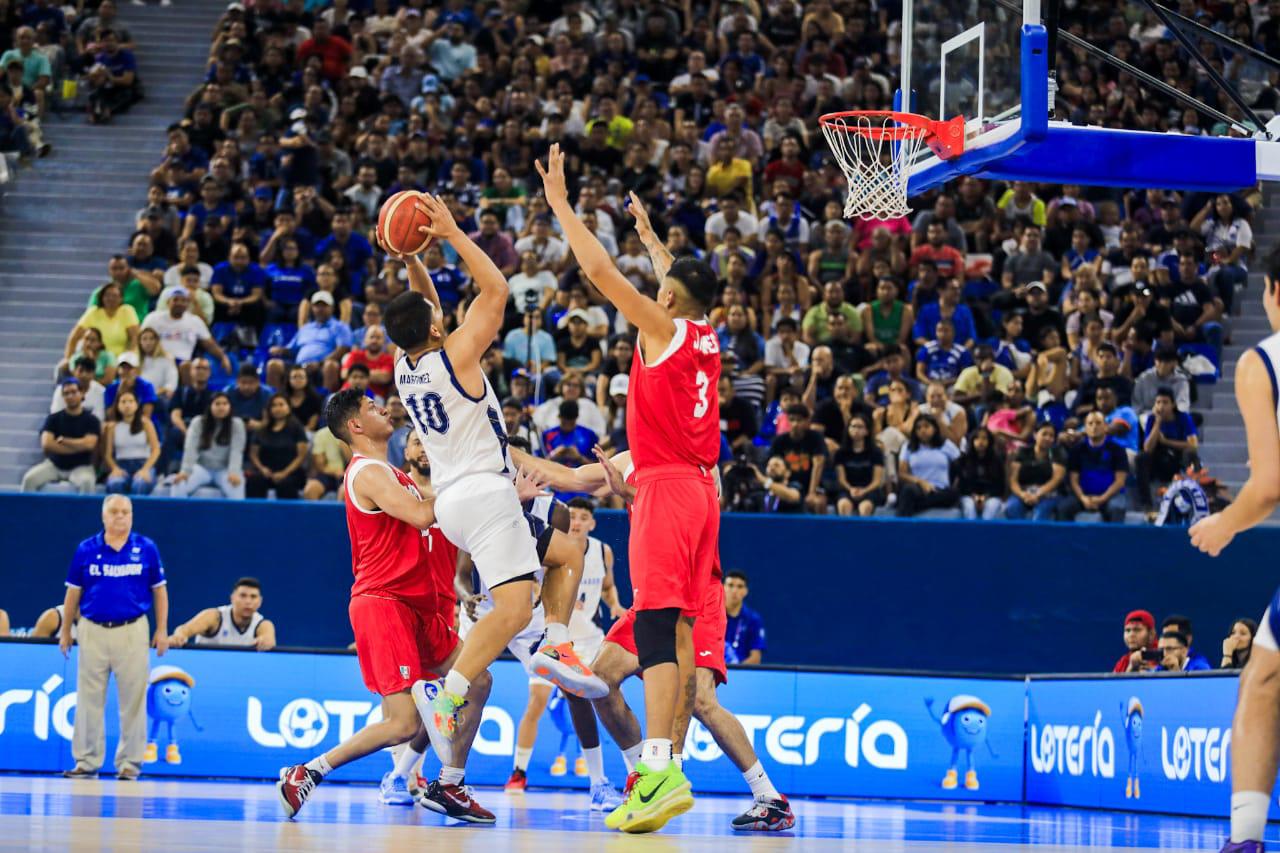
x=91 y=391
x=738 y=418
x=334 y=51
x=1040 y=316
x=1196 y=310
x=239 y=290
x=128 y=379
x=495 y=244
x=305 y=404
x=1139 y=637
x=578 y=352
x=182 y=332
x=319 y=345
x=833 y=414
x=534 y=286
x=744 y=628
x=859 y=466
x=249 y=397
x=1020 y=202
x=114 y=599
x=942 y=359
x=948 y=259
x=924 y=470
x=115 y=322
x=729 y=174
x=113 y=79
x=68 y=440
x=947 y=307
x=190 y=400
x=887 y=320
x=1169 y=447
x=531 y=346
x=1107 y=376
x=571 y=387
x=1228 y=239
x=979 y=381
x=741 y=348
x=1029 y=263
x=374 y=355
x=131 y=449
x=805 y=454
x=1098 y=469
x=1122 y=421
x=1238 y=644
x=953 y=420
x=239 y=623
x=817 y=320
x=91 y=347
x=569 y=442
x=277 y=453
x=785 y=356
x=158 y=367
x=1165 y=375
x=980 y=478
x=895 y=420
x=329 y=460
x=550 y=251
x=37 y=73
x=213 y=453
x=1036 y=473
x=1174 y=651
x=1192 y=660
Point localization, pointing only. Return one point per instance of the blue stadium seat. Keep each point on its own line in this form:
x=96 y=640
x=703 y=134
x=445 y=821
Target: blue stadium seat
x=273 y=335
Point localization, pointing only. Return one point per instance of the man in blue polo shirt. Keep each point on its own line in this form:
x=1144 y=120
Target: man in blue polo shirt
x=320 y=344
x=1098 y=468
x=744 y=629
x=115 y=577
x=239 y=289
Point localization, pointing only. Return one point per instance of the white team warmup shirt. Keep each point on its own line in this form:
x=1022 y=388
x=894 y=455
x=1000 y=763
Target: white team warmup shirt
x=228 y=634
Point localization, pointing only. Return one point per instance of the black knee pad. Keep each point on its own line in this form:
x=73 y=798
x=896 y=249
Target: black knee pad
x=655 y=633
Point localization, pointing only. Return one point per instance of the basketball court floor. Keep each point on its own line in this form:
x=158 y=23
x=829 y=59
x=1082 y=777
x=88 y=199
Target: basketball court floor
x=41 y=813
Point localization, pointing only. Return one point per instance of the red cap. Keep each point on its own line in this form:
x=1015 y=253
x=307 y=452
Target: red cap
x=1141 y=616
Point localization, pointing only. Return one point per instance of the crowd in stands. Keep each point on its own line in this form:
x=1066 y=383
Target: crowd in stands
x=1010 y=350
x=1170 y=649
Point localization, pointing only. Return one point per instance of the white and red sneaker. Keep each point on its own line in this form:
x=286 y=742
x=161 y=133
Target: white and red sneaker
x=454 y=801
x=295 y=787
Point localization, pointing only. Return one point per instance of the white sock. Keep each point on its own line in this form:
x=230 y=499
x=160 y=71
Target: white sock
x=679 y=760
x=595 y=764
x=451 y=775
x=522 y=758
x=557 y=634
x=656 y=753
x=408 y=759
x=1249 y=815
x=761 y=787
x=456 y=683
x=631 y=757
x=320 y=765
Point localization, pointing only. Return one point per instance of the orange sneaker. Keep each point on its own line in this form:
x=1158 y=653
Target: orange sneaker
x=561 y=666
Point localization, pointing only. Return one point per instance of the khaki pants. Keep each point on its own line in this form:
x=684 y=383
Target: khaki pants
x=103 y=651
x=43 y=473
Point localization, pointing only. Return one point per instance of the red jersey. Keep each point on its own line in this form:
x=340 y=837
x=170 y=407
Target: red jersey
x=389 y=557
x=673 y=408
x=381 y=361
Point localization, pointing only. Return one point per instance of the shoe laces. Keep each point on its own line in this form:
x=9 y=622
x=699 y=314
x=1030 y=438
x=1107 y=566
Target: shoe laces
x=307 y=785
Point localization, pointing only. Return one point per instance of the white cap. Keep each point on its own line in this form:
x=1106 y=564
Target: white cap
x=358 y=71
x=129 y=358
x=619 y=385
x=578 y=313
x=322 y=296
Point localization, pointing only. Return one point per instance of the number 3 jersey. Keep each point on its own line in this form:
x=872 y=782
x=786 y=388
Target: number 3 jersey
x=462 y=434
x=673 y=408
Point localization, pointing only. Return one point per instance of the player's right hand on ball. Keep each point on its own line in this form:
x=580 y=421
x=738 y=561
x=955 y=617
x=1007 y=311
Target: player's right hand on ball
x=443 y=226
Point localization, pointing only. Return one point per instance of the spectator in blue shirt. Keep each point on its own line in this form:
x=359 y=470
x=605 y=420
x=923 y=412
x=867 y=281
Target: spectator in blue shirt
x=947 y=307
x=531 y=345
x=570 y=443
x=942 y=359
x=1179 y=627
x=211 y=203
x=290 y=279
x=113 y=79
x=1097 y=470
x=355 y=250
x=249 y=397
x=320 y=343
x=239 y=290
x=744 y=629
x=1122 y=421
x=1169 y=445
x=114 y=579
x=127 y=379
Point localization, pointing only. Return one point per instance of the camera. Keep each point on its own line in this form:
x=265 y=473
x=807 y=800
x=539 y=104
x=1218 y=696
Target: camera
x=1153 y=655
x=530 y=301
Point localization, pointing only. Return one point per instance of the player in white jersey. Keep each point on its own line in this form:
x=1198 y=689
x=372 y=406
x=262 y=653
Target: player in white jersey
x=50 y=623
x=1255 y=730
x=458 y=418
x=239 y=623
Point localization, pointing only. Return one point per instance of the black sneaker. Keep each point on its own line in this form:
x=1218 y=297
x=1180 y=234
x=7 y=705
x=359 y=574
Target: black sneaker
x=766 y=816
x=454 y=801
x=80 y=773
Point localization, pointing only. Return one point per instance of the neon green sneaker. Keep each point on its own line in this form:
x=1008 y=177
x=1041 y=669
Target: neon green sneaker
x=652 y=798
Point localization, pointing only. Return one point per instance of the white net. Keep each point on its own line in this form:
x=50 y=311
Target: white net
x=875 y=163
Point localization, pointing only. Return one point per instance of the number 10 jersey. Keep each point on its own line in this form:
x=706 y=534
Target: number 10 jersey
x=462 y=434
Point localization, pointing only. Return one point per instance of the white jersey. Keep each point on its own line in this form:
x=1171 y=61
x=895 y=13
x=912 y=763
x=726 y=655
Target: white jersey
x=462 y=434
x=62 y=614
x=228 y=634
x=581 y=624
x=1269 y=350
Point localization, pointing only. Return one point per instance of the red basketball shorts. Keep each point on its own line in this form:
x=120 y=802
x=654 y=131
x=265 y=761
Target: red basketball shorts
x=398 y=643
x=675 y=538
x=708 y=633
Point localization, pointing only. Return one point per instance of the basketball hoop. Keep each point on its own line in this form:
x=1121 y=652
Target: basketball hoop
x=875 y=149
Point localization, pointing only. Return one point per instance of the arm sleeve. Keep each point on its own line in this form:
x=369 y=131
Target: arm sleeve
x=236 y=460
x=75 y=571
x=155 y=567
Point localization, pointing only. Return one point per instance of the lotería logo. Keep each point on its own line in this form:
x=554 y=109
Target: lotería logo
x=44 y=712
x=794 y=741
x=1198 y=751
x=1075 y=750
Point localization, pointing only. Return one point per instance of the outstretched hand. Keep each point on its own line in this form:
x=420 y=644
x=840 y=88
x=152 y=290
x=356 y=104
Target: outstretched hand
x=553 y=182
x=612 y=476
x=530 y=485
x=643 y=226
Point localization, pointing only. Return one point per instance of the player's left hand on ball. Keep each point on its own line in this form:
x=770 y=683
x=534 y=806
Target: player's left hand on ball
x=530 y=485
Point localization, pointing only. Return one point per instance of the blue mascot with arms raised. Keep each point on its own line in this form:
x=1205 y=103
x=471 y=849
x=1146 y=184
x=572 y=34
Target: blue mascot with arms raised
x=964 y=725
x=168 y=700
x=1132 y=711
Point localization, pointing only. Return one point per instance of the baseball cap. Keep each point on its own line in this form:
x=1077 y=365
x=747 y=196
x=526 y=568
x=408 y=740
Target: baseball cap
x=430 y=83
x=155 y=211
x=578 y=314
x=262 y=192
x=412 y=13
x=1067 y=201
x=322 y=296
x=619 y=384
x=359 y=71
x=1037 y=285
x=1142 y=616
x=176 y=290
x=298 y=114
x=512 y=403
x=129 y=358
x=235 y=7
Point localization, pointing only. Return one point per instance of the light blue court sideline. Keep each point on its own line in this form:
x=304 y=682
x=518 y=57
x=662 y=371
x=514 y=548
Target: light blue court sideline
x=41 y=812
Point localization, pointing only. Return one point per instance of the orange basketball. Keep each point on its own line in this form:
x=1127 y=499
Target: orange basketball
x=399 y=221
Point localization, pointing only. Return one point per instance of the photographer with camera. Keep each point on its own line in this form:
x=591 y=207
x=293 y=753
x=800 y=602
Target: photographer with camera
x=746 y=489
x=1140 y=640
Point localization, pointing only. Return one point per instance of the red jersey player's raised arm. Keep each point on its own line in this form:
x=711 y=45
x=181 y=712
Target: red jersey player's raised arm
x=653 y=321
x=376 y=488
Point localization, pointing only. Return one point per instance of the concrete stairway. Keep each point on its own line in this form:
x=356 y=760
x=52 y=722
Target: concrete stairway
x=64 y=218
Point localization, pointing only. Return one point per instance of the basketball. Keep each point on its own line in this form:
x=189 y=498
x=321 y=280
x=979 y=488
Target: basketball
x=399 y=221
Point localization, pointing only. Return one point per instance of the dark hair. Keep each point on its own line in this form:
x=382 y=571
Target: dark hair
x=269 y=421
x=222 y=435
x=519 y=442
x=789 y=322
x=936 y=441
x=249 y=582
x=85 y=362
x=342 y=407
x=408 y=320
x=1174 y=634
x=736 y=574
x=97 y=297
x=1179 y=623
x=569 y=410
x=247 y=369
x=135 y=425
x=583 y=503
x=358 y=367
x=1167 y=392
x=697 y=279
x=1273 y=270
x=799 y=410
x=1104 y=346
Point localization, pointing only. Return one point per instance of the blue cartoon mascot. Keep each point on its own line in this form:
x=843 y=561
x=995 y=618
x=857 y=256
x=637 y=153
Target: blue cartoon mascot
x=964 y=725
x=1132 y=711
x=168 y=701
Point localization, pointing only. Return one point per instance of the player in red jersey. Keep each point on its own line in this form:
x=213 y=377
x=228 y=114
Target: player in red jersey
x=403 y=633
x=673 y=427
x=617 y=660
